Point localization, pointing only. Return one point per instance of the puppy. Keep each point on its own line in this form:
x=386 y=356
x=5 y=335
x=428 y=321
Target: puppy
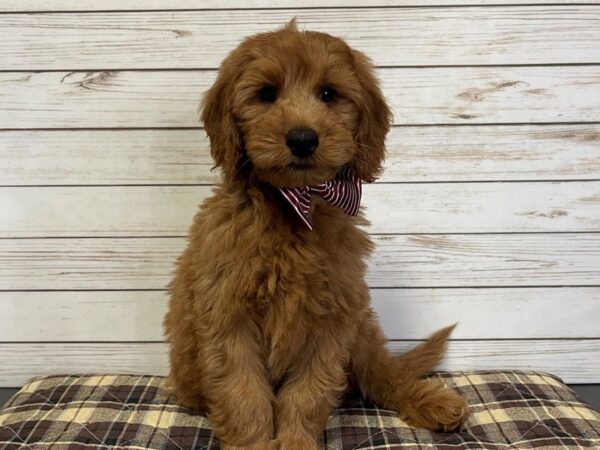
x=269 y=319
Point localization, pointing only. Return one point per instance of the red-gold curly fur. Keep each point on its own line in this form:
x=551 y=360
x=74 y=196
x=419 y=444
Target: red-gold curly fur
x=268 y=321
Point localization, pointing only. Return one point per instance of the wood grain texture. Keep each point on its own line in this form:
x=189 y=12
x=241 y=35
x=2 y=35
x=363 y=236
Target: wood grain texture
x=136 y=5
x=496 y=313
x=391 y=36
x=105 y=157
x=409 y=208
x=399 y=261
x=414 y=154
x=445 y=95
x=94 y=302
x=576 y=361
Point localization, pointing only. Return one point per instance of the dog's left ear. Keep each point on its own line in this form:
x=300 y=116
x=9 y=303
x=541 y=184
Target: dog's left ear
x=373 y=122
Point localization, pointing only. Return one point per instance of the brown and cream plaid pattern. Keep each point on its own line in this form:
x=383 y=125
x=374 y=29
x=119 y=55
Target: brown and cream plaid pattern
x=509 y=410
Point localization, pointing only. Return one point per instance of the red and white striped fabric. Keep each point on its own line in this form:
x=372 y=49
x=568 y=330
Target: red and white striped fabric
x=343 y=191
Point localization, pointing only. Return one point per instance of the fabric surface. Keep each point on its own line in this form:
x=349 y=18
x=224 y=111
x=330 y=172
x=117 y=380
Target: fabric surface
x=509 y=410
x=343 y=191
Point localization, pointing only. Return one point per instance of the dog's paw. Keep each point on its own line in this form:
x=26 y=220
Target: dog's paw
x=297 y=443
x=433 y=406
x=260 y=445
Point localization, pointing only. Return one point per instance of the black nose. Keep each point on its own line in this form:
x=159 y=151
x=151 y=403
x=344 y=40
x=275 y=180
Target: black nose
x=302 y=141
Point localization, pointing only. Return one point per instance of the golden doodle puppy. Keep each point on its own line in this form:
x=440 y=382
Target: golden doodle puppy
x=269 y=319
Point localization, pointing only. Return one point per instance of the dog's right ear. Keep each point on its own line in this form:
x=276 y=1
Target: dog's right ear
x=226 y=146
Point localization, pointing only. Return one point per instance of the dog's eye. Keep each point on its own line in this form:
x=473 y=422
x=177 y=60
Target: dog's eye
x=328 y=94
x=268 y=94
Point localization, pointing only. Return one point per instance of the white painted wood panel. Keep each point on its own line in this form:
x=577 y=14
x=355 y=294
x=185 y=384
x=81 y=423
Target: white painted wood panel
x=401 y=36
x=415 y=154
x=515 y=263
x=500 y=260
x=488 y=153
x=493 y=313
x=104 y=157
x=407 y=208
x=99 y=211
x=136 y=5
x=98 y=263
x=446 y=95
x=573 y=360
x=496 y=313
x=399 y=261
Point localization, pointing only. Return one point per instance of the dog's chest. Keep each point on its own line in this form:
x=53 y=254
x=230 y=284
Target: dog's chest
x=294 y=281
x=304 y=289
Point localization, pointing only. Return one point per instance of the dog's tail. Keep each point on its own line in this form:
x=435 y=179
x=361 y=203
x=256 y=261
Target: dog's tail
x=423 y=358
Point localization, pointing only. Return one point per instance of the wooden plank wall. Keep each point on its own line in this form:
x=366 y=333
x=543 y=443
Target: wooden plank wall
x=488 y=212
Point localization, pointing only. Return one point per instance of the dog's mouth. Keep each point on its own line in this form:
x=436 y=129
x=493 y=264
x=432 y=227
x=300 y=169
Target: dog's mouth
x=301 y=165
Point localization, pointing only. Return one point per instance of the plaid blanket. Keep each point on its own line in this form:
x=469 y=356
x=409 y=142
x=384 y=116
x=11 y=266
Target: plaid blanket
x=509 y=410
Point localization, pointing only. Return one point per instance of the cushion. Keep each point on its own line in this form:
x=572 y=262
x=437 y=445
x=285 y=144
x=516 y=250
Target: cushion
x=509 y=410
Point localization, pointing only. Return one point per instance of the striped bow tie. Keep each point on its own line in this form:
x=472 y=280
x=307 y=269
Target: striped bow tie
x=343 y=191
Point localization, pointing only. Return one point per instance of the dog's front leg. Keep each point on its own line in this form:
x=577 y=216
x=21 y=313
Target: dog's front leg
x=239 y=395
x=312 y=389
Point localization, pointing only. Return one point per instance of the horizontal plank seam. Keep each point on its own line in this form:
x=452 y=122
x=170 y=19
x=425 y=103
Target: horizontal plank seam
x=462 y=233
x=437 y=233
x=389 y=340
x=214 y=69
x=532 y=286
x=299 y=8
x=398 y=125
x=572 y=385
x=562 y=180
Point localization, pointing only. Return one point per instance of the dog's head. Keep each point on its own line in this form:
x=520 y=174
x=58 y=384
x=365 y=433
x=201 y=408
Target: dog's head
x=294 y=107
